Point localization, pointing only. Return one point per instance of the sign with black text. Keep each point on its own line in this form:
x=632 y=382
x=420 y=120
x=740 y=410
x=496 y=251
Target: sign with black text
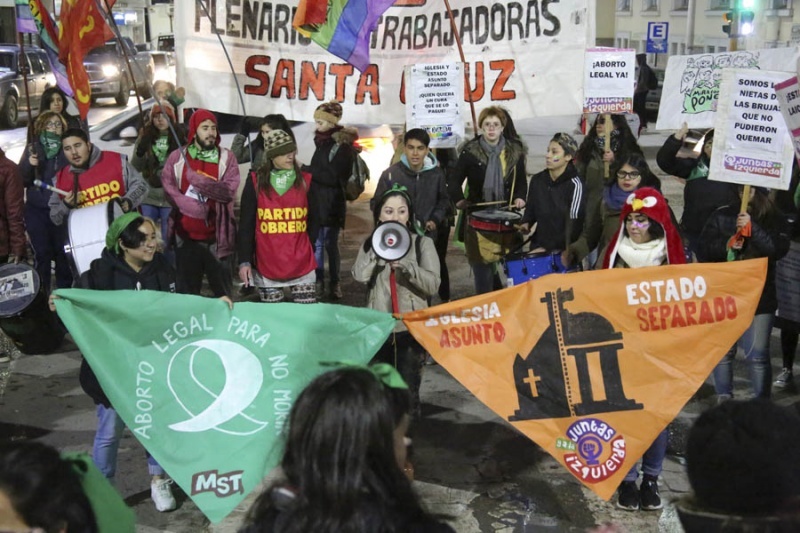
x=788 y=92
x=432 y=104
x=609 y=80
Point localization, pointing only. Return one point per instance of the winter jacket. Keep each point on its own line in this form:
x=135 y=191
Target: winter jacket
x=112 y=273
x=241 y=149
x=329 y=177
x=770 y=239
x=12 y=221
x=555 y=206
x=427 y=189
x=471 y=165
x=701 y=196
x=417 y=280
x=36 y=197
x=145 y=161
x=135 y=186
x=222 y=190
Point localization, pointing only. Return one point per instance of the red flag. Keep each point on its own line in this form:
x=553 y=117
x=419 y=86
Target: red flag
x=83 y=28
x=309 y=15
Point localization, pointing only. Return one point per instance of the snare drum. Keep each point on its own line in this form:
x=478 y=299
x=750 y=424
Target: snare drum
x=520 y=268
x=24 y=315
x=87 y=229
x=494 y=220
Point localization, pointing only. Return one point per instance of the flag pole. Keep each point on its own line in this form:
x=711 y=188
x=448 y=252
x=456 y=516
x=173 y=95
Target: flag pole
x=464 y=61
x=24 y=67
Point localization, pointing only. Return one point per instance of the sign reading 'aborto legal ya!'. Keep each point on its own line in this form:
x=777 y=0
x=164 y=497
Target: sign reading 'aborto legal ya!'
x=609 y=80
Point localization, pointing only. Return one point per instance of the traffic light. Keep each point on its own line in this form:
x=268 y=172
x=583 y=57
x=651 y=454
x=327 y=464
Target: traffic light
x=727 y=18
x=746 y=22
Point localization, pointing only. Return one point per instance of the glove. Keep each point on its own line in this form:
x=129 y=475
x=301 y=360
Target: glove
x=245 y=128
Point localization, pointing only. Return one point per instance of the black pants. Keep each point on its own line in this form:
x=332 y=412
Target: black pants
x=195 y=259
x=440 y=241
x=403 y=352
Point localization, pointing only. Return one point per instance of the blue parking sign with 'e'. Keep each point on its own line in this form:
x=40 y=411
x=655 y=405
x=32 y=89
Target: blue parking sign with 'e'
x=657 y=36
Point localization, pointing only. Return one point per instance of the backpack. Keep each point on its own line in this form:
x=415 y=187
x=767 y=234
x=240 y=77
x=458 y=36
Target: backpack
x=359 y=175
x=652 y=79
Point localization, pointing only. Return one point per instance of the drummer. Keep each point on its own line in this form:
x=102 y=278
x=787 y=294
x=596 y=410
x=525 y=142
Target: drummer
x=493 y=165
x=93 y=176
x=556 y=203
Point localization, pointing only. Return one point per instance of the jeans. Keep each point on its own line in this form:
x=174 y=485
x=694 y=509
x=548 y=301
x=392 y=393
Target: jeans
x=106 y=444
x=652 y=460
x=328 y=241
x=195 y=259
x=486 y=278
x=755 y=345
x=161 y=216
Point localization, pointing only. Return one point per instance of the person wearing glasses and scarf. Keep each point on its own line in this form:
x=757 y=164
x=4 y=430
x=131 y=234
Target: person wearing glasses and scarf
x=493 y=166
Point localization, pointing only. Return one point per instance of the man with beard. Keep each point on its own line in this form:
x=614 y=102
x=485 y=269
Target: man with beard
x=200 y=181
x=93 y=176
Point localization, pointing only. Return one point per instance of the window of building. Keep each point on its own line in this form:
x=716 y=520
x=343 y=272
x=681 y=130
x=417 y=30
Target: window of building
x=650 y=5
x=719 y=5
x=780 y=4
x=680 y=5
x=624 y=5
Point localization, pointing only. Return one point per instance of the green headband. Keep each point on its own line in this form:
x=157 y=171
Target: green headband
x=110 y=511
x=403 y=190
x=383 y=372
x=116 y=228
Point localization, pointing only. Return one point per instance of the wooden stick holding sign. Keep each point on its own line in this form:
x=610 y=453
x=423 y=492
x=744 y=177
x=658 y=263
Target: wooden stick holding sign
x=607 y=126
x=745 y=199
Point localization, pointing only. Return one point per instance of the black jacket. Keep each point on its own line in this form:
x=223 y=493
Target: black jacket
x=46 y=171
x=701 y=196
x=328 y=179
x=427 y=189
x=110 y=273
x=770 y=239
x=555 y=206
x=471 y=165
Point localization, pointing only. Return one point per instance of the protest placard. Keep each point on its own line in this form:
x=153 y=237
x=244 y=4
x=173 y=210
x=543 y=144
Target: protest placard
x=788 y=92
x=609 y=80
x=432 y=103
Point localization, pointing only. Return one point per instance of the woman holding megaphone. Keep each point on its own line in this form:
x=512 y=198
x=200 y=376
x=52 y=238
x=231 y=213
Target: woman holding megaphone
x=401 y=270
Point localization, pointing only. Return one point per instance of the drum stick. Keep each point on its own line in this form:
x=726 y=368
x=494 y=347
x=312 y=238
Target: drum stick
x=488 y=203
x=44 y=186
x=607 y=135
x=513 y=183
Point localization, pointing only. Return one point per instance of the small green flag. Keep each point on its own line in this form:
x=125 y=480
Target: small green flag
x=207 y=390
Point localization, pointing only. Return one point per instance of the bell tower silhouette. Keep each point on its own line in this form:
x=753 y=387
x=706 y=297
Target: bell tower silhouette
x=544 y=386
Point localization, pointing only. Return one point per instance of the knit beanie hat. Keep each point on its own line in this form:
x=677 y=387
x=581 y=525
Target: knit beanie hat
x=278 y=142
x=330 y=111
x=117 y=227
x=651 y=203
x=198 y=117
x=566 y=142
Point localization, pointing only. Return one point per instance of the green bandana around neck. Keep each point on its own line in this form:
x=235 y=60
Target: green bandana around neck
x=281 y=179
x=161 y=147
x=699 y=171
x=51 y=143
x=207 y=156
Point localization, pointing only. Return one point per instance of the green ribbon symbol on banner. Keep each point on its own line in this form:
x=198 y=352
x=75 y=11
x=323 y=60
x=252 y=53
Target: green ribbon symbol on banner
x=207 y=390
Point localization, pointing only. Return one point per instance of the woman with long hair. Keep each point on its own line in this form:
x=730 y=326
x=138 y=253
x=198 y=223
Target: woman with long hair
x=493 y=166
x=343 y=460
x=730 y=235
x=274 y=246
x=630 y=173
x=416 y=276
x=646 y=237
x=54 y=99
x=41 y=160
x=155 y=142
x=246 y=151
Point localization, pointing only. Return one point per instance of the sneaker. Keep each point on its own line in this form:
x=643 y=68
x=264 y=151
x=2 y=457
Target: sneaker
x=336 y=291
x=784 y=378
x=648 y=494
x=628 y=496
x=161 y=493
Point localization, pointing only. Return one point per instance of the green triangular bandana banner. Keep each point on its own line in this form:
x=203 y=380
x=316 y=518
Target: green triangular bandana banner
x=207 y=390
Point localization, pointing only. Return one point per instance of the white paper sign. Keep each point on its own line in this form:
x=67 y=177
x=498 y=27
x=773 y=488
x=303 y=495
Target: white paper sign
x=432 y=102
x=789 y=99
x=609 y=80
x=751 y=141
x=691 y=83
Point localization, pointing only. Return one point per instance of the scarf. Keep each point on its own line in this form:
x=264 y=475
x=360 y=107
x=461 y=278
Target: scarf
x=51 y=142
x=207 y=156
x=493 y=189
x=614 y=197
x=282 y=179
x=161 y=148
x=646 y=254
x=322 y=137
x=614 y=142
x=699 y=171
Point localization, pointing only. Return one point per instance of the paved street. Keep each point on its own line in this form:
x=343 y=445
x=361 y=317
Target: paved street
x=469 y=464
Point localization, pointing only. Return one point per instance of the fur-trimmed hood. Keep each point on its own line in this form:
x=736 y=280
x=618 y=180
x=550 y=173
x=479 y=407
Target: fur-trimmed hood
x=348 y=135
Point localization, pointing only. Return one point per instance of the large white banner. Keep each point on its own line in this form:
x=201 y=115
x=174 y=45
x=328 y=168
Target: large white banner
x=691 y=83
x=520 y=54
x=751 y=141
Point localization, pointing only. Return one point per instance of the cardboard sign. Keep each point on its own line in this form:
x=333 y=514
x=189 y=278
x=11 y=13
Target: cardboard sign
x=433 y=105
x=789 y=99
x=609 y=80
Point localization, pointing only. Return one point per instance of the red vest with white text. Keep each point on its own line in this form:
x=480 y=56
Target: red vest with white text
x=99 y=183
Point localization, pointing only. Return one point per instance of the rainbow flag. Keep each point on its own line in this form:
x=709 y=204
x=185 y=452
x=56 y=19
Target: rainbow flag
x=25 y=23
x=345 y=30
x=48 y=33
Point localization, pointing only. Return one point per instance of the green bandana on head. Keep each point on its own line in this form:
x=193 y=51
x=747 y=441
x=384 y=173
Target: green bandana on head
x=208 y=156
x=383 y=372
x=116 y=229
x=161 y=147
x=282 y=179
x=51 y=143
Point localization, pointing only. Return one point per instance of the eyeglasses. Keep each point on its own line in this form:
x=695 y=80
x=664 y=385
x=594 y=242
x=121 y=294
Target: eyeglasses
x=638 y=223
x=53 y=125
x=492 y=126
x=622 y=175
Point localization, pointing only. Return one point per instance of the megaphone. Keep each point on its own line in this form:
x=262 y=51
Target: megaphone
x=391 y=241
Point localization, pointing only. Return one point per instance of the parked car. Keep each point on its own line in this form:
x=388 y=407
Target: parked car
x=12 y=88
x=109 y=75
x=654 y=96
x=164 y=63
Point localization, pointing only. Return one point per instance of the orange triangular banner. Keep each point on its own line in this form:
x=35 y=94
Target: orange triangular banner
x=593 y=365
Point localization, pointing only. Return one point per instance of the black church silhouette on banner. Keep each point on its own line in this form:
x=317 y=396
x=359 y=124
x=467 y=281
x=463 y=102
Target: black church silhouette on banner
x=544 y=388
